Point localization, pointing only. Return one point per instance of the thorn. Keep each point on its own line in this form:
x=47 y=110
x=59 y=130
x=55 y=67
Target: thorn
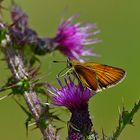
x=8 y=87
x=5 y=97
x=48 y=104
x=119 y=110
x=34 y=123
x=103 y=134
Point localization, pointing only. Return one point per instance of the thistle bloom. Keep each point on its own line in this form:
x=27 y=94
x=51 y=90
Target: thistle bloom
x=20 y=32
x=75 y=98
x=71 y=38
x=17 y=15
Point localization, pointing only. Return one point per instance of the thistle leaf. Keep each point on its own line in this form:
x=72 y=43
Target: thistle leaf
x=125 y=118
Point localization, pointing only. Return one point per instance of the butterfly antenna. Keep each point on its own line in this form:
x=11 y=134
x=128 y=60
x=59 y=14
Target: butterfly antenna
x=55 y=61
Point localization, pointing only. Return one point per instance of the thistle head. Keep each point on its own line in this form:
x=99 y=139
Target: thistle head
x=71 y=96
x=71 y=38
x=75 y=98
x=20 y=32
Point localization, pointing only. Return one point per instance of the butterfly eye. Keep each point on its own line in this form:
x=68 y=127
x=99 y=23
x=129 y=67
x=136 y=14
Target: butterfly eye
x=69 y=64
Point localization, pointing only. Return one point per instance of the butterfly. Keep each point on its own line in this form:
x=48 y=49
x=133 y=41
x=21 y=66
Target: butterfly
x=96 y=76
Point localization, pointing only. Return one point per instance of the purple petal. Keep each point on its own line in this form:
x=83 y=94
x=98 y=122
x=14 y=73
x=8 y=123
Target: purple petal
x=71 y=38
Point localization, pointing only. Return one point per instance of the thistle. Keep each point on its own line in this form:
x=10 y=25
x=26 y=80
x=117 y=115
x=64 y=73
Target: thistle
x=20 y=44
x=75 y=98
x=71 y=38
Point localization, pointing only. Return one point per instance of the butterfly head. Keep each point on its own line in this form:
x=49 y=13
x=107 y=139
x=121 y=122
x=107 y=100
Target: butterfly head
x=69 y=63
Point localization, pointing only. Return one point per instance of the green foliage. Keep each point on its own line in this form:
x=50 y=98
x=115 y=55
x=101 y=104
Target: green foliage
x=29 y=115
x=125 y=118
x=43 y=122
x=20 y=87
x=30 y=59
x=2 y=34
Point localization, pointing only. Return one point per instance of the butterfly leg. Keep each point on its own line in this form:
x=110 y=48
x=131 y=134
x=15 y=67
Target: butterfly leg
x=78 y=78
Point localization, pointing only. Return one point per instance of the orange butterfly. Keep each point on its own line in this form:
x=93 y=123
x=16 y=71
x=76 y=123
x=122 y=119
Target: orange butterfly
x=96 y=76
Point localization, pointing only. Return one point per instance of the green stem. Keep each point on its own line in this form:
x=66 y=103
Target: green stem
x=17 y=68
x=125 y=119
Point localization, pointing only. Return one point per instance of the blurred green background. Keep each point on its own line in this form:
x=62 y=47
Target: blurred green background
x=119 y=22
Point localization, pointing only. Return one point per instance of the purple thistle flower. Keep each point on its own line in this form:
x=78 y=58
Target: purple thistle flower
x=17 y=15
x=71 y=38
x=20 y=33
x=75 y=98
x=71 y=96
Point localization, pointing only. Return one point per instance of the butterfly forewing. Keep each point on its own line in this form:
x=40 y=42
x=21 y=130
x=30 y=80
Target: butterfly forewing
x=98 y=76
x=87 y=76
x=108 y=75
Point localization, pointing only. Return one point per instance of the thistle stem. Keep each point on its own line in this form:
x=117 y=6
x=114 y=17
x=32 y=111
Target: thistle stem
x=16 y=65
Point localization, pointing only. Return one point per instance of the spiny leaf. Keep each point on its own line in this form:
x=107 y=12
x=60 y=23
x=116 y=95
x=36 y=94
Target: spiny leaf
x=51 y=115
x=22 y=107
x=27 y=113
x=125 y=118
x=28 y=120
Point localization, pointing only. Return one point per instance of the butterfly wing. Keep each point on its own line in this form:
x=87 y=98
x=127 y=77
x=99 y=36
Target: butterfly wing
x=107 y=75
x=87 y=77
x=98 y=76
